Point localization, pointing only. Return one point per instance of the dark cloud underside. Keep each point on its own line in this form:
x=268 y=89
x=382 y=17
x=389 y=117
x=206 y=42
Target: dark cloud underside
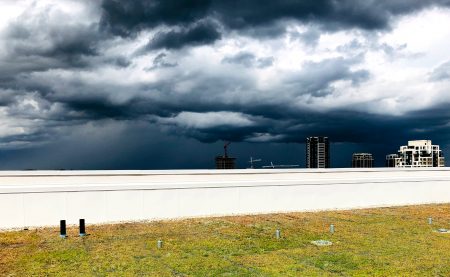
x=252 y=17
x=128 y=17
x=199 y=33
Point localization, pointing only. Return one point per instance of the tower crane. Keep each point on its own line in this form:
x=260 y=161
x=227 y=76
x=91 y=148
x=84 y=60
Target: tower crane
x=225 y=149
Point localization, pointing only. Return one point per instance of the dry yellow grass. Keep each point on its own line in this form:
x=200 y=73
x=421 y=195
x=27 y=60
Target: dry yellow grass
x=376 y=242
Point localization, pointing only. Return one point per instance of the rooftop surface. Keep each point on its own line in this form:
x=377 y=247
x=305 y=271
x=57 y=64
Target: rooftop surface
x=378 y=242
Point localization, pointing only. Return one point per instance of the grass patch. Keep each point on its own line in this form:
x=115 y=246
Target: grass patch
x=376 y=242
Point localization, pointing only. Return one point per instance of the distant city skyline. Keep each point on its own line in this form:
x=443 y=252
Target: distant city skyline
x=153 y=84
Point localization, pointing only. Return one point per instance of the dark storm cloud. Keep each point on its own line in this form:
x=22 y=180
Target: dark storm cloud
x=33 y=43
x=63 y=41
x=84 y=84
x=275 y=117
x=115 y=145
x=225 y=133
x=39 y=41
x=128 y=17
x=7 y=97
x=96 y=108
x=25 y=140
x=82 y=101
x=199 y=33
x=345 y=126
x=128 y=145
x=293 y=126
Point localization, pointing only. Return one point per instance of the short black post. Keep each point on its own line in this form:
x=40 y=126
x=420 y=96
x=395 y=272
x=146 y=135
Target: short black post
x=62 y=229
x=82 y=228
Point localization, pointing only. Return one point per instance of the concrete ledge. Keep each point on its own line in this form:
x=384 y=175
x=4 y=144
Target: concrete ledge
x=42 y=198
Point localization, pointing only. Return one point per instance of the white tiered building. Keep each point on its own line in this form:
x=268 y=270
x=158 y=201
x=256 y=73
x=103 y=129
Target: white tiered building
x=418 y=153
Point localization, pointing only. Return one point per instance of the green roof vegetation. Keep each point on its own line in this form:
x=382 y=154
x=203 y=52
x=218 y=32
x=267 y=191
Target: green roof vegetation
x=377 y=242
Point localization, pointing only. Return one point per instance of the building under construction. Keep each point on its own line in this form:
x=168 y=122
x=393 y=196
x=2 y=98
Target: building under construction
x=225 y=162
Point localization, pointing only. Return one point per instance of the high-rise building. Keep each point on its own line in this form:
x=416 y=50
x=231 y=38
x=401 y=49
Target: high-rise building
x=362 y=160
x=418 y=153
x=317 y=152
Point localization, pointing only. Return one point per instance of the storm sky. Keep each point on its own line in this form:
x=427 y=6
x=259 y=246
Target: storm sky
x=161 y=84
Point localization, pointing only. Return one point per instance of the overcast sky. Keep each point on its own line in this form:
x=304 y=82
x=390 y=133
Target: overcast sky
x=161 y=84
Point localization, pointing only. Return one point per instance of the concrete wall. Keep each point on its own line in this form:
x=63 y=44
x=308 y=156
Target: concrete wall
x=42 y=198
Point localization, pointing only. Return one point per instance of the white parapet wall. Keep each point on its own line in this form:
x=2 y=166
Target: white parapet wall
x=42 y=198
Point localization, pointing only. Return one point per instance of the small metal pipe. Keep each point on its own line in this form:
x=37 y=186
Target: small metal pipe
x=159 y=244
x=278 y=234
